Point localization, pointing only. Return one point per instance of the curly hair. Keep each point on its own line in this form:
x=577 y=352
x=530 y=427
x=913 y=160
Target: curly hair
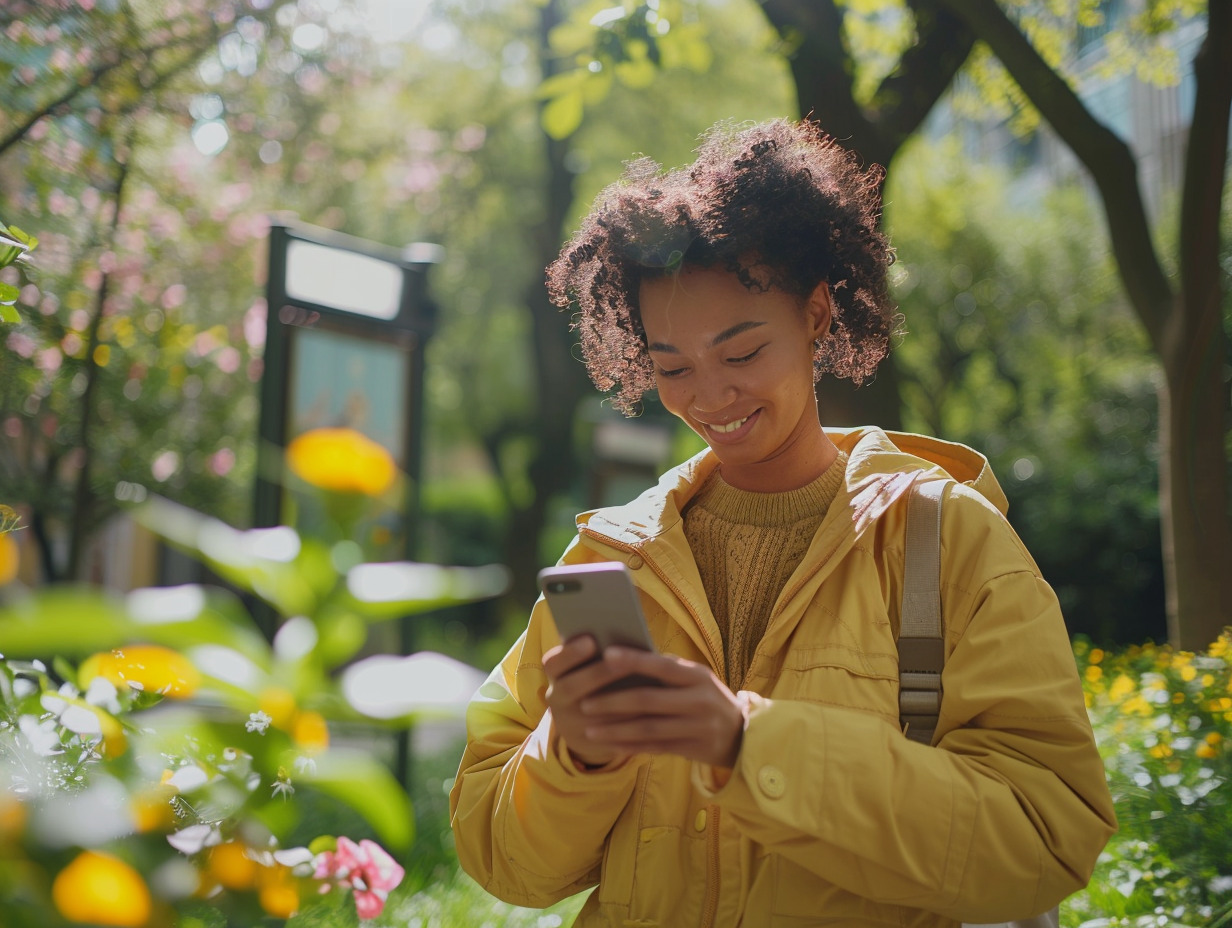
x=779 y=204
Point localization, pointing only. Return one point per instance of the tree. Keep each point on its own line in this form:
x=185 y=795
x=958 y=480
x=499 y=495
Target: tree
x=911 y=51
x=85 y=395
x=1183 y=318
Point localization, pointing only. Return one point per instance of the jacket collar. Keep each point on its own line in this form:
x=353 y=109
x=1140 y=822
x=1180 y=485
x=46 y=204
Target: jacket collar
x=881 y=467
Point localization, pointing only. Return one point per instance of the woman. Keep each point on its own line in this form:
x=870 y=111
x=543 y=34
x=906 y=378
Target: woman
x=769 y=781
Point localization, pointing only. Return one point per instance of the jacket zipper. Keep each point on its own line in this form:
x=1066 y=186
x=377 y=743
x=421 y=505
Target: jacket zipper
x=711 y=904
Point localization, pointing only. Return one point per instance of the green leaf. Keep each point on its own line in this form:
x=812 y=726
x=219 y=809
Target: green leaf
x=10 y=250
x=370 y=789
x=24 y=237
x=8 y=313
x=562 y=83
x=386 y=591
x=562 y=116
x=265 y=561
x=79 y=621
x=637 y=74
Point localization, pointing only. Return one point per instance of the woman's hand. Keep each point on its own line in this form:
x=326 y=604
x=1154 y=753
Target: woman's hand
x=693 y=714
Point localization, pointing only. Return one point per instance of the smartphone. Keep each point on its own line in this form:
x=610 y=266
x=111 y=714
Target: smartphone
x=599 y=600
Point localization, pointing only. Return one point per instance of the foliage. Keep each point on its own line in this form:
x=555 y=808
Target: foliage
x=159 y=742
x=15 y=245
x=626 y=43
x=1163 y=720
x=986 y=287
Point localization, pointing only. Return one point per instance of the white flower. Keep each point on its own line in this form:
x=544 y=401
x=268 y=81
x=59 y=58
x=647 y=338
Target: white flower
x=102 y=693
x=282 y=786
x=258 y=722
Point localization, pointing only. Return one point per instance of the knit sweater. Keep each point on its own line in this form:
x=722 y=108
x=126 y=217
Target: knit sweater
x=746 y=545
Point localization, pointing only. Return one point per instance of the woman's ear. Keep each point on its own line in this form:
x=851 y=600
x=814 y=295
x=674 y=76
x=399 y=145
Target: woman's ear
x=820 y=310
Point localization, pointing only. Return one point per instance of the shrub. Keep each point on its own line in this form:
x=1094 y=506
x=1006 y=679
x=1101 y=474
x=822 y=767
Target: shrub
x=157 y=751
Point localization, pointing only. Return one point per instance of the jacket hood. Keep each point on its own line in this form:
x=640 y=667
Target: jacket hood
x=882 y=465
x=874 y=450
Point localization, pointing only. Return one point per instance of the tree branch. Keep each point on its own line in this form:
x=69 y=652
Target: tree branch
x=821 y=66
x=1108 y=160
x=924 y=72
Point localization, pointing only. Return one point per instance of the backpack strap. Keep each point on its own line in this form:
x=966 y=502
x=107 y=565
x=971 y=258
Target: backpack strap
x=921 y=642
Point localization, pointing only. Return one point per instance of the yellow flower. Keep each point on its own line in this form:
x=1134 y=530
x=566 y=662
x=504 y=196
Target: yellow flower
x=98 y=889
x=1137 y=705
x=152 y=808
x=1121 y=687
x=147 y=667
x=1097 y=655
x=1220 y=646
x=1093 y=673
x=232 y=866
x=341 y=460
x=279 y=705
x=10 y=558
x=311 y=732
x=1161 y=751
x=278 y=892
x=1188 y=673
x=12 y=817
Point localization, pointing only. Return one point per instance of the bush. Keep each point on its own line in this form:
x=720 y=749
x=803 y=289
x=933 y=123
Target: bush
x=1162 y=719
x=162 y=763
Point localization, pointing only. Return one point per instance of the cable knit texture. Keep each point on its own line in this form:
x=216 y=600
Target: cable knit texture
x=746 y=546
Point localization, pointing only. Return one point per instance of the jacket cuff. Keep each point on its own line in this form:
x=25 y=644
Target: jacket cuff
x=569 y=764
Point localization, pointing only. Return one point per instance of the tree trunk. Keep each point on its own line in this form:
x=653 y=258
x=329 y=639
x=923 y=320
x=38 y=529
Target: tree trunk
x=1193 y=493
x=561 y=382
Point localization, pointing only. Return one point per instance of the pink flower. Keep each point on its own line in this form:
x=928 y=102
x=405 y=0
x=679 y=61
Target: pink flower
x=366 y=868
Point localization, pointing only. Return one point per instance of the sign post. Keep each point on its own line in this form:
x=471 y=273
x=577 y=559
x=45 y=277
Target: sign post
x=346 y=327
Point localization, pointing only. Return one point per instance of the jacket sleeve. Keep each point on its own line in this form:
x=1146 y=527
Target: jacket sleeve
x=529 y=827
x=1003 y=817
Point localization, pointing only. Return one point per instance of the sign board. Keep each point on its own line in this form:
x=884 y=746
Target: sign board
x=346 y=326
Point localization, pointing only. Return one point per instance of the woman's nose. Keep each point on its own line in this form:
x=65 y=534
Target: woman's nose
x=713 y=392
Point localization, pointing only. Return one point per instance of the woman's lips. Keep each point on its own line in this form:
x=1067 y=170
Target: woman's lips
x=731 y=431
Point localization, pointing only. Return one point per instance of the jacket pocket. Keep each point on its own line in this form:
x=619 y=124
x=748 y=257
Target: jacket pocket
x=802 y=898
x=837 y=675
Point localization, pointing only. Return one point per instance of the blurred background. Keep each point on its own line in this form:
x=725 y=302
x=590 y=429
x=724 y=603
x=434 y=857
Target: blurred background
x=259 y=217
x=149 y=147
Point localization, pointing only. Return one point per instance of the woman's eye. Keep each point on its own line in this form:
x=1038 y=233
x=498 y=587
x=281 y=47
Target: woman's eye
x=675 y=372
x=747 y=357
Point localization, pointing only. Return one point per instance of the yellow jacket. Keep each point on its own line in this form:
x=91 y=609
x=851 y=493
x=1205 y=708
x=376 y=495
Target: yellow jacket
x=831 y=815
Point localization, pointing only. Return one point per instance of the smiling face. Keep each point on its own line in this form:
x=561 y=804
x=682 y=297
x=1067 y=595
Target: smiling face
x=736 y=365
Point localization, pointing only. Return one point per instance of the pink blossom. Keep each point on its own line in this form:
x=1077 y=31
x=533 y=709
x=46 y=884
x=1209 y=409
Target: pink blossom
x=21 y=344
x=173 y=296
x=366 y=868
x=228 y=360
x=49 y=360
x=221 y=461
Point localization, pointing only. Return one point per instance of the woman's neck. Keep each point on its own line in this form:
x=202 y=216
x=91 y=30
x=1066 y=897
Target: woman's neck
x=798 y=463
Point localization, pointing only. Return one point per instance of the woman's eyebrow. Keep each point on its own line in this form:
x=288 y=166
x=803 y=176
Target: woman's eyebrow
x=723 y=336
